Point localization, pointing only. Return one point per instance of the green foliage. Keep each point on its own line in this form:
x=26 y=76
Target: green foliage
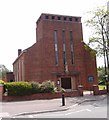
x=101 y=75
x=102 y=87
x=47 y=87
x=63 y=90
x=35 y=87
x=2 y=82
x=3 y=71
x=18 y=88
x=27 y=88
x=97 y=22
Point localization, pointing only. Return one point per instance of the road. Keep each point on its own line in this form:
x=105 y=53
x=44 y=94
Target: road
x=75 y=107
x=89 y=109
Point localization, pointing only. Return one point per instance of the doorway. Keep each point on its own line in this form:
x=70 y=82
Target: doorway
x=66 y=83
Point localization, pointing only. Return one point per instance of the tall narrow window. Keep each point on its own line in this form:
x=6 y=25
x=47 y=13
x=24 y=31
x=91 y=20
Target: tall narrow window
x=64 y=47
x=71 y=45
x=56 y=47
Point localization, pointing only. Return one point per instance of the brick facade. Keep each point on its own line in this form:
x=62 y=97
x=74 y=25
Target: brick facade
x=9 y=77
x=45 y=59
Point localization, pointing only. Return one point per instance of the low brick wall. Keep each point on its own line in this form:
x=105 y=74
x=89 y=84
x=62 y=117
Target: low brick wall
x=1 y=92
x=96 y=90
x=41 y=96
x=100 y=92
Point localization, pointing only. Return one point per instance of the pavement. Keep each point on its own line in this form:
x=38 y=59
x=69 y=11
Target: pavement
x=44 y=106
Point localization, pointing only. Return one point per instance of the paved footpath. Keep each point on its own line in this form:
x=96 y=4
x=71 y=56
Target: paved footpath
x=10 y=109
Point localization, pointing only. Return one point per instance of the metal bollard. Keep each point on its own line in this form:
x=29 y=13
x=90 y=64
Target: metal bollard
x=63 y=100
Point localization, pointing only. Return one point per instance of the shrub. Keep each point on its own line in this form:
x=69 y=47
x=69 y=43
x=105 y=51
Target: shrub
x=2 y=82
x=35 y=87
x=27 y=88
x=18 y=88
x=47 y=87
x=63 y=90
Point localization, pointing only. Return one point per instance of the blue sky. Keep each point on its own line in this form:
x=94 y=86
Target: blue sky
x=18 y=22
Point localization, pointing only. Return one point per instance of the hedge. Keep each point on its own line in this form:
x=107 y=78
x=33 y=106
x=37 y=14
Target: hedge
x=2 y=82
x=28 y=88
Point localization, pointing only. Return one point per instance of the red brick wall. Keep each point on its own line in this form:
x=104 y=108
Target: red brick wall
x=18 y=68
x=39 y=59
x=9 y=77
x=42 y=55
x=40 y=96
x=1 y=92
x=90 y=67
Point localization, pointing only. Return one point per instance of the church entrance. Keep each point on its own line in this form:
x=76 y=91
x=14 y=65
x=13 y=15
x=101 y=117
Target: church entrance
x=66 y=83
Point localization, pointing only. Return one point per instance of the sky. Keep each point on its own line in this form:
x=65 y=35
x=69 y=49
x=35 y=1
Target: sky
x=18 y=22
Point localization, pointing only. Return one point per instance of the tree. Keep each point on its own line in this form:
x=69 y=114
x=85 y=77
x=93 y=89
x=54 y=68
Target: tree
x=3 y=71
x=101 y=73
x=98 y=22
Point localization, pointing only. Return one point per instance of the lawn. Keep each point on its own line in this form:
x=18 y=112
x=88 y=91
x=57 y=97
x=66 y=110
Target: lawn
x=102 y=87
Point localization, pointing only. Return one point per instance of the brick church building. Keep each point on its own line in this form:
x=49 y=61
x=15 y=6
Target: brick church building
x=58 y=55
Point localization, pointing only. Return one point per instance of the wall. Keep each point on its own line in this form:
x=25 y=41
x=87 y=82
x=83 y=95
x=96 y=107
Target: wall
x=90 y=67
x=40 y=96
x=96 y=90
x=9 y=77
x=39 y=59
x=1 y=92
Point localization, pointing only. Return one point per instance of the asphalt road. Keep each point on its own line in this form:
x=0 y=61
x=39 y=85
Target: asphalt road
x=88 y=106
x=88 y=109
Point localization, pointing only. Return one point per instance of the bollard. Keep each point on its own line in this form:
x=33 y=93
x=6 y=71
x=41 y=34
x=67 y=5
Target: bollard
x=63 y=100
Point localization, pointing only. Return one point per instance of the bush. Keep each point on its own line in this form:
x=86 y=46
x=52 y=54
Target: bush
x=18 y=88
x=35 y=87
x=47 y=87
x=27 y=88
x=2 y=82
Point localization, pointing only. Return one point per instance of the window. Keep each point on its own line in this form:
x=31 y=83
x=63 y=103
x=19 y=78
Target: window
x=56 y=47
x=90 y=78
x=64 y=57
x=46 y=17
x=63 y=36
x=70 y=19
x=71 y=46
x=55 y=36
x=64 y=47
x=53 y=17
x=64 y=18
x=59 y=18
x=76 y=19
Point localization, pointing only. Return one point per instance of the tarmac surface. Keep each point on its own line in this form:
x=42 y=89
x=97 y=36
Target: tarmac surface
x=11 y=109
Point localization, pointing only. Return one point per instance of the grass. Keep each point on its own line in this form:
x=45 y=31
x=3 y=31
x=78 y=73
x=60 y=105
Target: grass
x=102 y=87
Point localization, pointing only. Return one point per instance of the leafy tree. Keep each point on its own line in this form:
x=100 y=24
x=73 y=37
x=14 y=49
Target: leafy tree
x=98 y=22
x=3 y=71
x=101 y=74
